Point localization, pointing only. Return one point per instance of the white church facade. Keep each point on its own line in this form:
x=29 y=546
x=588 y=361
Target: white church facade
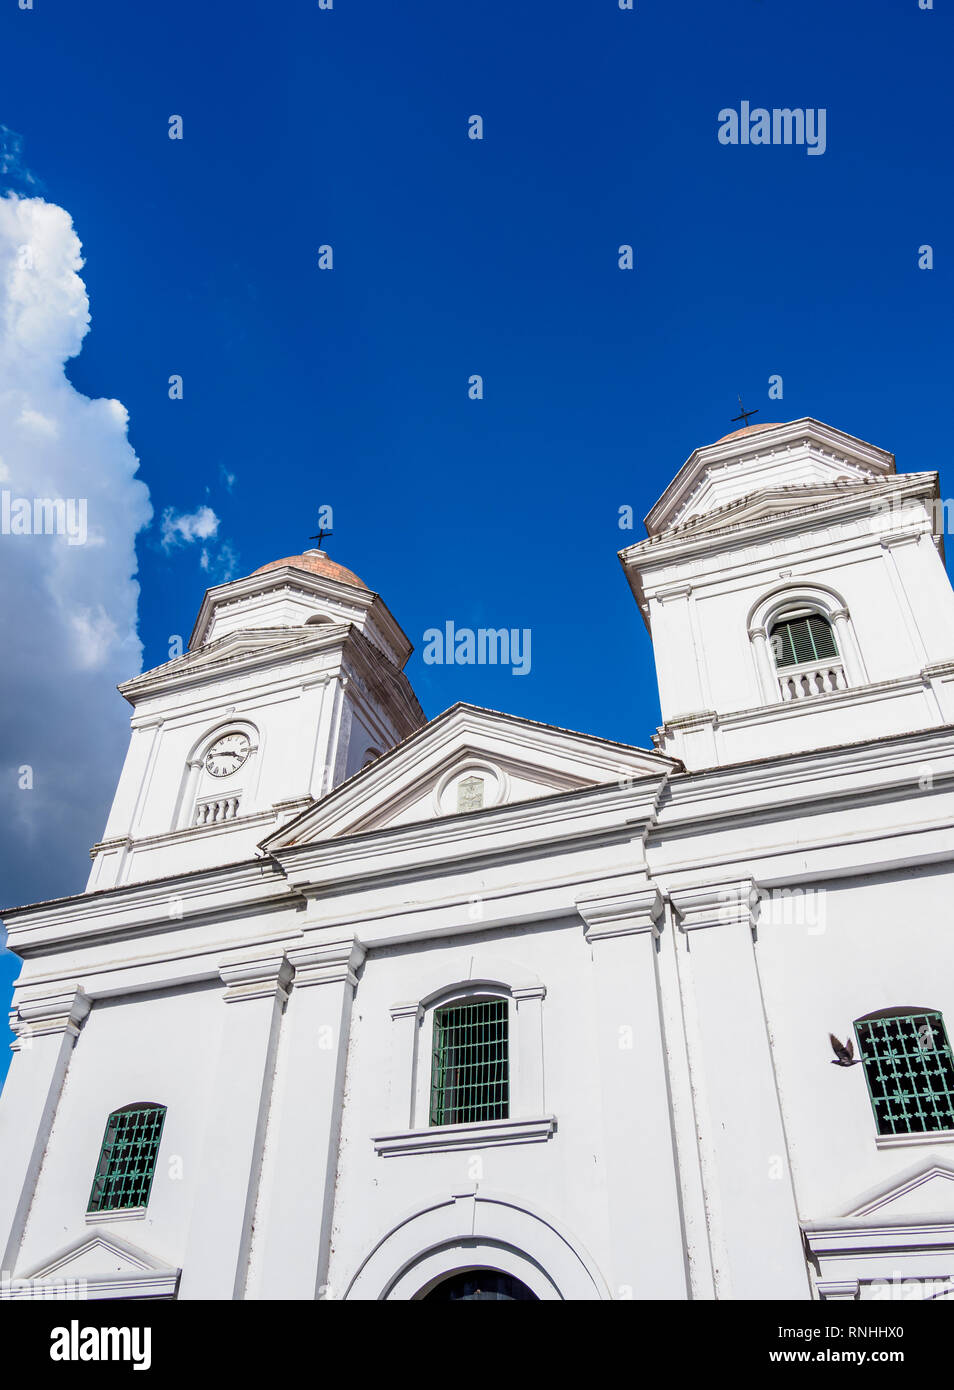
x=358 y=1006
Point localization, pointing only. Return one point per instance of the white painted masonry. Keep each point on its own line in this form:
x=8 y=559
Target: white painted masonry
x=674 y=934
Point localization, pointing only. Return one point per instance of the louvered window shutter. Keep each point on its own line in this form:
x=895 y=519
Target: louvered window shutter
x=797 y=640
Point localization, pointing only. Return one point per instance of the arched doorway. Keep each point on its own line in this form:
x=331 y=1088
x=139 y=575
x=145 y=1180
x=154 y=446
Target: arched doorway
x=474 y=1284
x=491 y=1232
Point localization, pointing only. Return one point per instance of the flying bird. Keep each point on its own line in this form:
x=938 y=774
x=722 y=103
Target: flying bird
x=844 y=1052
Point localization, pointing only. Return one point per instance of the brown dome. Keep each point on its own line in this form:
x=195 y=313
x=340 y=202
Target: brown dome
x=750 y=429
x=316 y=562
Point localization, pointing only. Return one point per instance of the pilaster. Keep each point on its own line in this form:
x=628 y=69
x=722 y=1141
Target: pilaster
x=299 y=1209
x=46 y=1028
x=216 y=1261
x=757 y=1243
x=643 y=1212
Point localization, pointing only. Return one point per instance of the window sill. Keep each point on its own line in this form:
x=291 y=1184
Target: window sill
x=451 y=1138
x=100 y=1218
x=902 y=1141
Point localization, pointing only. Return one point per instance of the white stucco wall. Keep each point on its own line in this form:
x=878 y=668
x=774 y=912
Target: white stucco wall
x=158 y=1047
x=872 y=943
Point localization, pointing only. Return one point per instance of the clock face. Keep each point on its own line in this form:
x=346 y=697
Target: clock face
x=227 y=754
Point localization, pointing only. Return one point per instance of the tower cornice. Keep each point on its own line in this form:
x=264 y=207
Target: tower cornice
x=743 y=450
x=760 y=515
x=348 y=603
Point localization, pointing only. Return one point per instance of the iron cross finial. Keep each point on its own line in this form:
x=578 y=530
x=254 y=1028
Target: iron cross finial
x=320 y=536
x=744 y=414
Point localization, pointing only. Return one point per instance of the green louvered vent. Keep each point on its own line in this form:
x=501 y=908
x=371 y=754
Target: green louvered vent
x=128 y=1158
x=470 y=1072
x=910 y=1072
x=795 y=640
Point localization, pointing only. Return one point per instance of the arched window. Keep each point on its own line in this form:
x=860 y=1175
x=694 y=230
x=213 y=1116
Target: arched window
x=803 y=643
x=317 y=618
x=470 y=1064
x=127 y=1160
x=909 y=1070
x=801 y=637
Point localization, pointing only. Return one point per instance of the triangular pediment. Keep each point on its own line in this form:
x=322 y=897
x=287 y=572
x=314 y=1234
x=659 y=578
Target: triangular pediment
x=99 y=1264
x=777 y=502
x=925 y=1189
x=436 y=772
x=800 y=453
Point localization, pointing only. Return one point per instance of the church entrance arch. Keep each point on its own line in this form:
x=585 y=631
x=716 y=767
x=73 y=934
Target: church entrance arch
x=495 y=1235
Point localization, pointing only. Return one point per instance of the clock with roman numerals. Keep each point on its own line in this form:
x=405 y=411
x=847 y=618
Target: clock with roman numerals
x=227 y=754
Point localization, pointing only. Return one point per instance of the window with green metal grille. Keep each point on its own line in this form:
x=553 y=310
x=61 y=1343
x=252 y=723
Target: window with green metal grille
x=910 y=1071
x=808 y=638
x=128 y=1158
x=470 y=1070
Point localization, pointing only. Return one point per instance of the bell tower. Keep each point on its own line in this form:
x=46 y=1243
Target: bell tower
x=794 y=587
x=293 y=681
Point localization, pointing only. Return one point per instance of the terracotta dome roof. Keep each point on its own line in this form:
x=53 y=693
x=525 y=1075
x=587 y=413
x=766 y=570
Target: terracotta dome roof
x=316 y=562
x=750 y=429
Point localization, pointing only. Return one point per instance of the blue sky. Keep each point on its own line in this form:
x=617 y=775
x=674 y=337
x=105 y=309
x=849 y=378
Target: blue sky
x=348 y=387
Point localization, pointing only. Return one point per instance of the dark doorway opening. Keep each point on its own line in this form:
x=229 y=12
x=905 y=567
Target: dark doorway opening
x=475 y=1284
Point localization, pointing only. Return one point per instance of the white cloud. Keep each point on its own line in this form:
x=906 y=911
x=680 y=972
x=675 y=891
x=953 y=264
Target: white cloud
x=225 y=564
x=34 y=423
x=180 y=528
x=69 y=612
x=11 y=159
x=222 y=565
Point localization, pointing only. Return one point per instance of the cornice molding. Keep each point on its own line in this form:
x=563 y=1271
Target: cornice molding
x=327 y=963
x=454 y=1138
x=819 y=772
x=903 y=537
x=258 y=977
x=195 y=832
x=782 y=438
x=622 y=914
x=364 y=604
x=837 y=1288
x=524 y=994
x=108 y=1218
x=94 y=1286
x=244 y=651
x=411 y=1008
x=716 y=905
x=725 y=530
x=495 y=835
x=672 y=591
x=43 y=1015
x=863 y=1238
x=800 y=709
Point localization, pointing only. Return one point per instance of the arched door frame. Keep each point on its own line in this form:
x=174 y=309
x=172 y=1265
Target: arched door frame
x=482 y=1229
